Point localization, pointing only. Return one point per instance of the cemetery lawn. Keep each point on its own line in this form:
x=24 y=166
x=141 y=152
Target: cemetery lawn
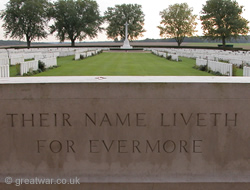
x=124 y=64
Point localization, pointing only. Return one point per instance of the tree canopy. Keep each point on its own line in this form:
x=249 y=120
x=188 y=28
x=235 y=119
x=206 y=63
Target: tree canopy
x=222 y=19
x=26 y=19
x=75 y=19
x=117 y=16
x=177 y=22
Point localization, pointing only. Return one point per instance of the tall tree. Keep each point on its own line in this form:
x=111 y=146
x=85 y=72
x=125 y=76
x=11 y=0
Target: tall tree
x=120 y=14
x=76 y=19
x=177 y=22
x=26 y=19
x=222 y=19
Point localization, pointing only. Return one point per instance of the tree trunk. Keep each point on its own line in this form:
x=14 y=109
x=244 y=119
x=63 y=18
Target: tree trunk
x=72 y=43
x=28 y=41
x=223 y=41
x=179 y=40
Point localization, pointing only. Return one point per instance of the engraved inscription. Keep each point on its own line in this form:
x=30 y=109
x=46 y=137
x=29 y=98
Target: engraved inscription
x=107 y=121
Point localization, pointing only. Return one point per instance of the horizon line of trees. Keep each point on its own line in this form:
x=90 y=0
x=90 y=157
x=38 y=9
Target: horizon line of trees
x=194 y=39
x=78 y=19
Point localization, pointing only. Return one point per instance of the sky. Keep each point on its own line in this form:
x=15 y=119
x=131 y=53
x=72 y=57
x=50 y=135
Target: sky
x=151 y=10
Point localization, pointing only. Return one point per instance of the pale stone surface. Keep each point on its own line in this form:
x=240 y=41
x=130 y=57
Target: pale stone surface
x=154 y=130
x=125 y=79
x=126 y=44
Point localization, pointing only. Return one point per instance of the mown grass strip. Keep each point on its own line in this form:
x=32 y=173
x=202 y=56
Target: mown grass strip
x=124 y=64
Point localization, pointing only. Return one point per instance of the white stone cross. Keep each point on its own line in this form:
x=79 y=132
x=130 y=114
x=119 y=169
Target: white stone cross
x=126 y=30
x=126 y=42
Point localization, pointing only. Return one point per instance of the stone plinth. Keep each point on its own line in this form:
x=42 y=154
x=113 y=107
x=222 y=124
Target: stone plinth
x=126 y=132
x=126 y=45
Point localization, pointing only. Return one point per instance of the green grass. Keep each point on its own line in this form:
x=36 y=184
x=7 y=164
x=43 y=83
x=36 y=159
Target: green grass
x=239 y=72
x=14 y=70
x=124 y=64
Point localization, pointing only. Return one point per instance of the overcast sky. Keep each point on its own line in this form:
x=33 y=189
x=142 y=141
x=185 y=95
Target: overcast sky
x=151 y=10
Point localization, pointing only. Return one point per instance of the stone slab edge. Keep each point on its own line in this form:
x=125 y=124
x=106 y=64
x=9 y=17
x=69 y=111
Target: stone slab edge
x=124 y=79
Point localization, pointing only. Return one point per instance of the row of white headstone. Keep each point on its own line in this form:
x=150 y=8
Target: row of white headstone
x=84 y=53
x=246 y=71
x=4 y=61
x=4 y=71
x=201 y=62
x=19 y=55
x=47 y=55
x=237 y=58
x=29 y=66
x=216 y=58
x=223 y=68
x=174 y=57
